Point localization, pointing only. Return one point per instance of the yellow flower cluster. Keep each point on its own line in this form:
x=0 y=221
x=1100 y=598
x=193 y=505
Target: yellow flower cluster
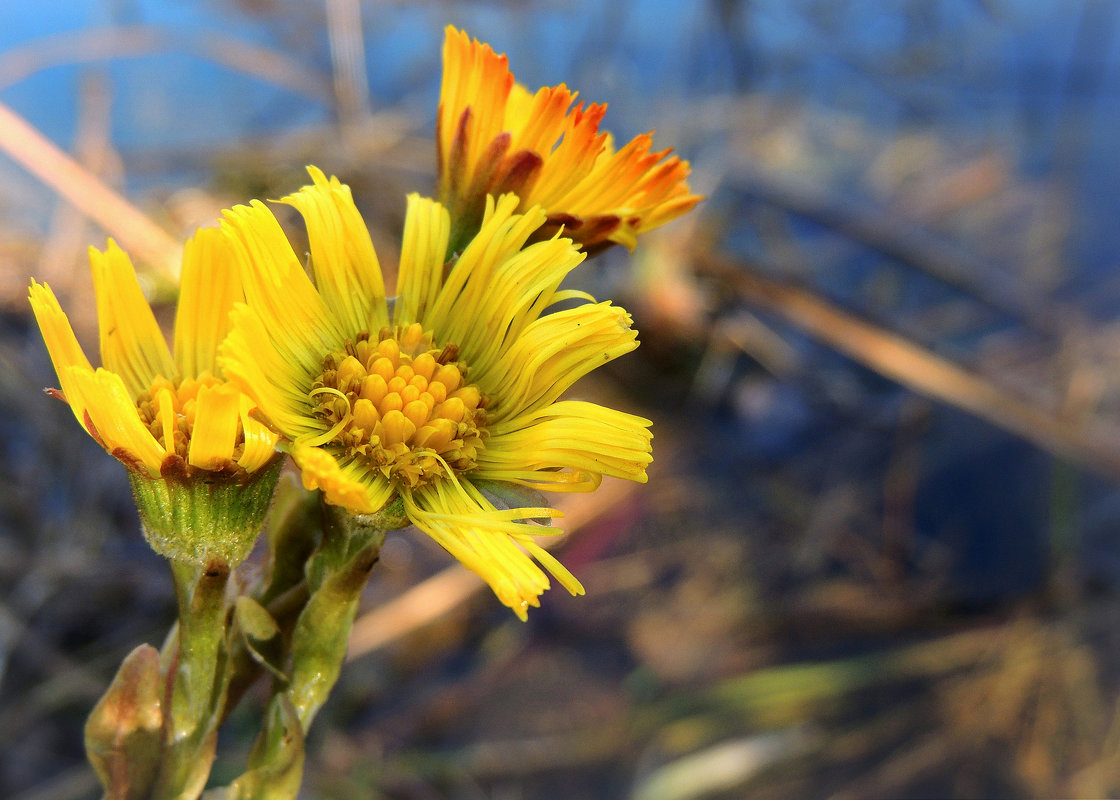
x=494 y=136
x=203 y=466
x=432 y=397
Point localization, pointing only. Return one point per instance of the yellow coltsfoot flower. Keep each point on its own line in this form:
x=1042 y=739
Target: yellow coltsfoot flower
x=202 y=470
x=433 y=396
x=494 y=136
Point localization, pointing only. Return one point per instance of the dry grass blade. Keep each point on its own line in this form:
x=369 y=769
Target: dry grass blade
x=915 y=367
x=908 y=243
x=348 y=55
x=135 y=231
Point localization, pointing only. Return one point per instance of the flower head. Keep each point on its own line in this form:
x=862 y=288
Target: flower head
x=494 y=136
x=193 y=453
x=434 y=395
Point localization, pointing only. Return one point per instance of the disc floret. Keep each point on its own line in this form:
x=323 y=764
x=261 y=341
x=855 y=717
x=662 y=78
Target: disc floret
x=169 y=409
x=401 y=404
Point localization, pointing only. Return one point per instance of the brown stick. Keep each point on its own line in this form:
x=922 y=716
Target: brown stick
x=39 y=156
x=918 y=369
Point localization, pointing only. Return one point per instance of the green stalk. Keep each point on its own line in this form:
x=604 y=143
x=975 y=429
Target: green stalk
x=293 y=530
x=335 y=576
x=323 y=628
x=197 y=680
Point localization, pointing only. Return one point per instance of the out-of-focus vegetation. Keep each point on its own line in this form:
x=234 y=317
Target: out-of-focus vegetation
x=879 y=552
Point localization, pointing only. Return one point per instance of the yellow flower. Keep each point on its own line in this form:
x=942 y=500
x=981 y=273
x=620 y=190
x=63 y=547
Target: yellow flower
x=494 y=136
x=193 y=453
x=438 y=395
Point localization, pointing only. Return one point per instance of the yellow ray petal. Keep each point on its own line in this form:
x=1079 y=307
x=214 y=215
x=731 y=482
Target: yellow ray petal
x=553 y=353
x=211 y=284
x=249 y=357
x=215 y=426
x=486 y=541
x=427 y=229
x=582 y=437
x=494 y=311
x=113 y=414
x=355 y=489
x=260 y=442
x=132 y=344
x=61 y=343
x=300 y=325
x=346 y=270
x=503 y=234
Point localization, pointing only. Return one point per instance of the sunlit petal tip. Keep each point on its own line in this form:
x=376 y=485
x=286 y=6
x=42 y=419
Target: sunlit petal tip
x=320 y=470
x=132 y=344
x=58 y=335
x=494 y=135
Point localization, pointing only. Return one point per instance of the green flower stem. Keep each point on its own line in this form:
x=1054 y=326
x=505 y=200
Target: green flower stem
x=323 y=630
x=196 y=675
x=294 y=528
x=244 y=669
x=336 y=575
x=323 y=606
x=276 y=761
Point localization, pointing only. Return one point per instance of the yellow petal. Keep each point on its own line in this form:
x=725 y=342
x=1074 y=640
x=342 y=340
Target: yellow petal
x=132 y=344
x=502 y=235
x=427 y=229
x=553 y=353
x=211 y=284
x=346 y=270
x=115 y=419
x=260 y=442
x=215 y=426
x=505 y=302
x=354 y=488
x=249 y=358
x=487 y=541
x=61 y=343
x=585 y=438
x=300 y=325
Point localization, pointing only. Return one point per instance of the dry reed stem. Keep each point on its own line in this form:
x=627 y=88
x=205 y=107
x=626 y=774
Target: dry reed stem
x=134 y=230
x=904 y=241
x=64 y=249
x=920 y=370
x=348 y=58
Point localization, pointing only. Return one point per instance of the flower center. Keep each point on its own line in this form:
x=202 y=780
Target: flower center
x=169 y=409
x=401 y=405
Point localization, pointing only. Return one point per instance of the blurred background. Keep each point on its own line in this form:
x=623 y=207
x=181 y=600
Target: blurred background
x=878 y=552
